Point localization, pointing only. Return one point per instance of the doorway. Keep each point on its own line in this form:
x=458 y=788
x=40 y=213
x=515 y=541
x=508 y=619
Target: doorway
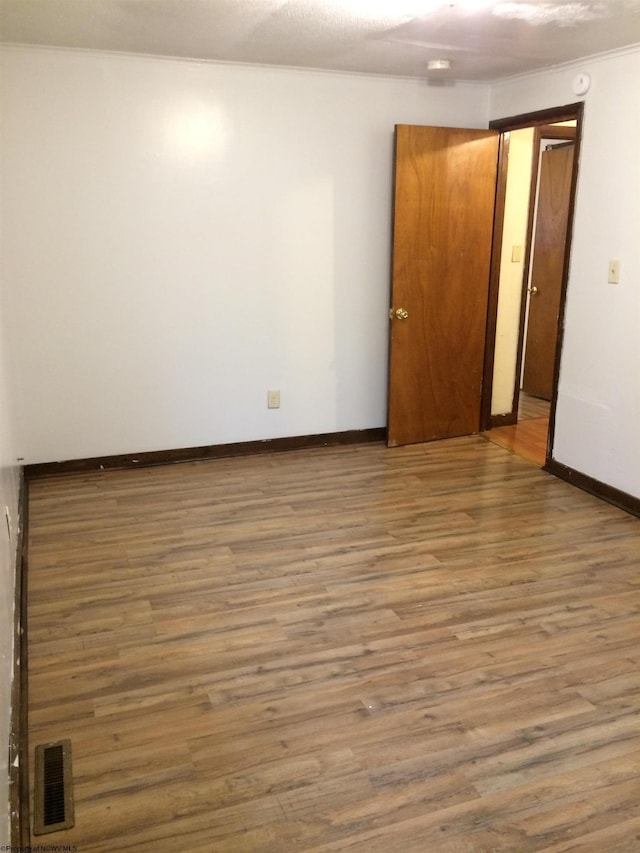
x=528 y=280
x=449 y=213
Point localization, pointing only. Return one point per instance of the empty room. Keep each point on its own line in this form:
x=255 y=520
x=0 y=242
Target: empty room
x=298 y=554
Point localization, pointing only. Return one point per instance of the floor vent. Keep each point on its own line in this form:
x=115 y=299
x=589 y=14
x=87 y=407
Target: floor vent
x=53 y=793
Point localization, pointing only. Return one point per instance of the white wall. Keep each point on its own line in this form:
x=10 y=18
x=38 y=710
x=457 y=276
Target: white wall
x=599 y=393
x=514 y=233
x=184 y=236
x=178 y=237
x=9 y=484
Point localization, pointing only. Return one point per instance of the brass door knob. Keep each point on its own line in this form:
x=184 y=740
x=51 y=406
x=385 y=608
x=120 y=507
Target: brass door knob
x=399 y=314
x=532 y=290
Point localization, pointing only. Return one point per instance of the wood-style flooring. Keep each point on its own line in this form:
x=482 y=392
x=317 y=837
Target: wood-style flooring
x=433 y=648
x=527 y=438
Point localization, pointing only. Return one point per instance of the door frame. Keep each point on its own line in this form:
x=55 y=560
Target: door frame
x=568 y=112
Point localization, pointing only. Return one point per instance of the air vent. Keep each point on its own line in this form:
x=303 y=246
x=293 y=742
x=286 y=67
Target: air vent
x=53 y=793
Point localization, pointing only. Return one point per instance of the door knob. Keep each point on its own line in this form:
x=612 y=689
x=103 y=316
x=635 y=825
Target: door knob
x=399 y=314
x=532 y=290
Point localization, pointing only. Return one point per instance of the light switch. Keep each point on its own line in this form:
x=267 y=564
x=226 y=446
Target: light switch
x=614 y=272
x=516 y=254
x=273 y=399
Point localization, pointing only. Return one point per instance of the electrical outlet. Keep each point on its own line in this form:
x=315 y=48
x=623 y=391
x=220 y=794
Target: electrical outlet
x=614 y=272
x=273 y=399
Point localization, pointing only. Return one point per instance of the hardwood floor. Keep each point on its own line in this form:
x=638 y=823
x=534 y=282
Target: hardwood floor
x=433 y=649
x=530 y=408
x=527 y=438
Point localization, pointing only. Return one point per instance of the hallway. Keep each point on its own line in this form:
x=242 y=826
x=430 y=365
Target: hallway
x=528 y=438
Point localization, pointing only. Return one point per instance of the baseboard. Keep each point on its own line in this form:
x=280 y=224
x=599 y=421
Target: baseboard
x=194 y=454
x=594 y=487
x=509 y=419
x=19 y=734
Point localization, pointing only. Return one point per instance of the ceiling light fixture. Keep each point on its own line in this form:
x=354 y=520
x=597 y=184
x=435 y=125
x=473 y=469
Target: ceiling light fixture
x=439 y=64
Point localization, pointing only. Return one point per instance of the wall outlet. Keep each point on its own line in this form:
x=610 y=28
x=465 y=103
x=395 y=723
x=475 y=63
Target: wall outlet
x=614 y=272
x=273 y=399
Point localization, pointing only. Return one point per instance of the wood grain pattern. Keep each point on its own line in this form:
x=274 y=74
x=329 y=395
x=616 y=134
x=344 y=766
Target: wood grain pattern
x=547 y=269
x=532 y=407
x=197 y=454
x=432 y=648
x=445 y=185
x=527 y=439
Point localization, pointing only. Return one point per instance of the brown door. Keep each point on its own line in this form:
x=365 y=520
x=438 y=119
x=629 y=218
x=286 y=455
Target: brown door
x=556 y=168
x=445 y=181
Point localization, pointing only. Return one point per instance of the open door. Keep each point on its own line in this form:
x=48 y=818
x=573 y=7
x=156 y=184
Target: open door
x=445 y=185
x=556 y=170
x=560 y=124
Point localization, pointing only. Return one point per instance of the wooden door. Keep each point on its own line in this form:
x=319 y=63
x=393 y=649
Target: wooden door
x=547 y=263
x=445 y=181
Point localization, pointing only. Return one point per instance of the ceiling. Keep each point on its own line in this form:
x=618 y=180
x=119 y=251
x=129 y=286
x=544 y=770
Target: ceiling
x=484 y=40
